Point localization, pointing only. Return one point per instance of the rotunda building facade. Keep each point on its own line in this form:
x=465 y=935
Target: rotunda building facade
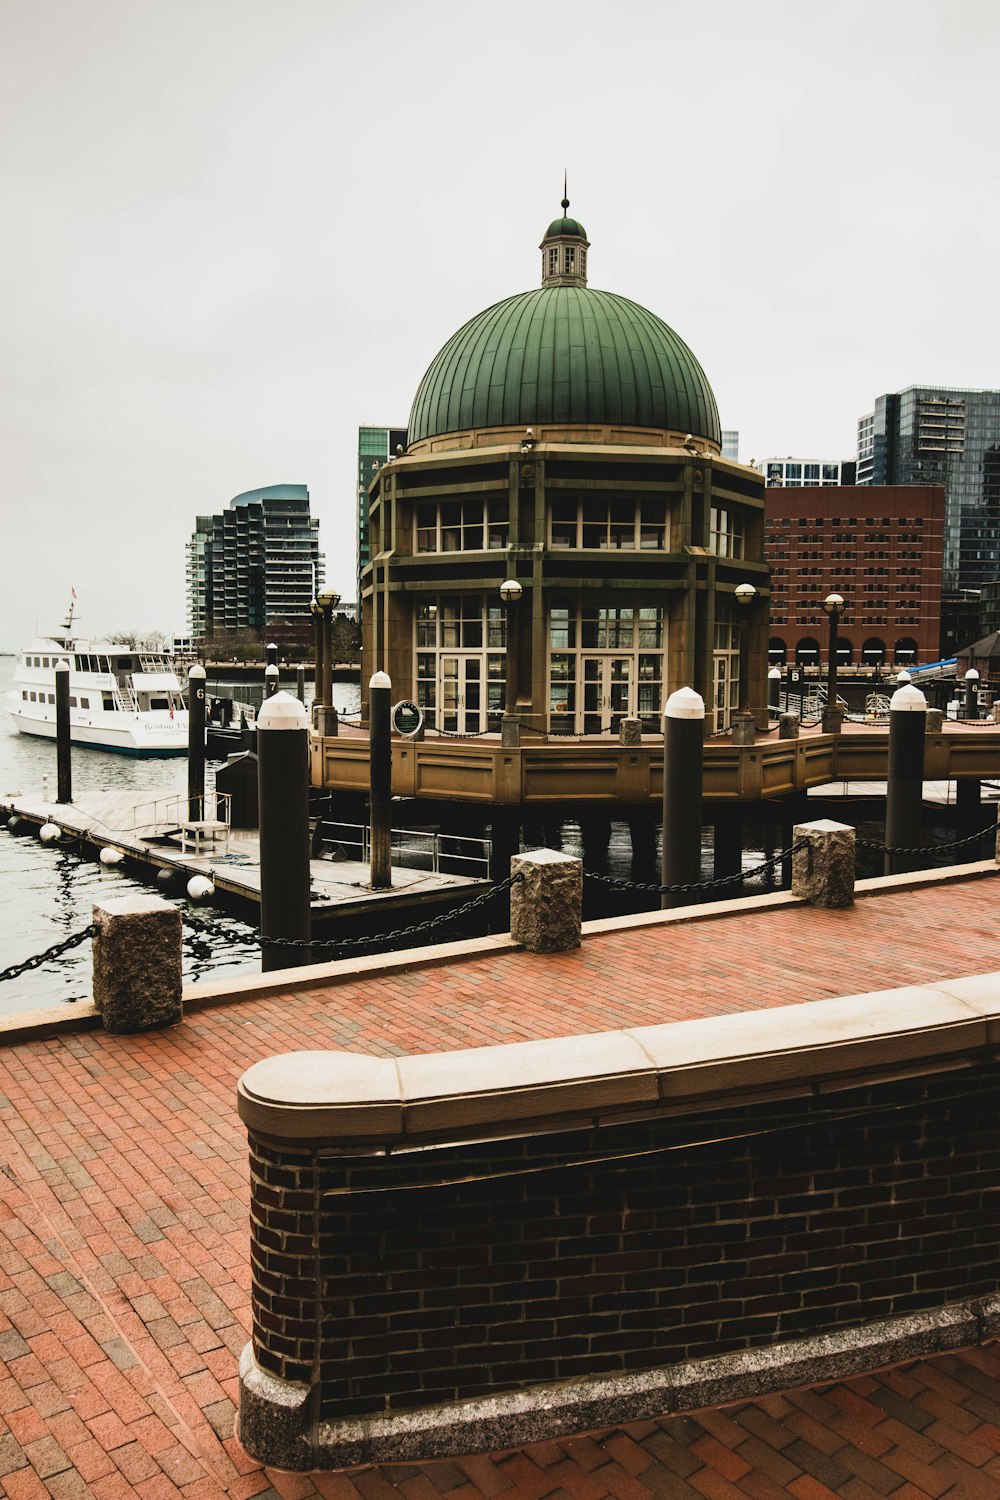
x=567 y=439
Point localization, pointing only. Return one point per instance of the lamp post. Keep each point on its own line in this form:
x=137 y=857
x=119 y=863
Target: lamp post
x=832 y=720
x=316 y=610
x=745 y=595
x=327 y=600
x=510 y=593
x=972 y=694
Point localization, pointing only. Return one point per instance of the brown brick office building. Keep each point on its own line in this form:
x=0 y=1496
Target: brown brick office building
x=880 y=547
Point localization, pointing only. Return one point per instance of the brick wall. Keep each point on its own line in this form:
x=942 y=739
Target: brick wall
x=457 y=1271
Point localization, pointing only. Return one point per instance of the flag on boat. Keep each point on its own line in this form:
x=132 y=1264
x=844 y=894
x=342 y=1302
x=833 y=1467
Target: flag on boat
x=73 y=592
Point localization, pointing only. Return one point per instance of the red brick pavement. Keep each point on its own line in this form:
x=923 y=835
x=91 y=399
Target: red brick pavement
x=123 y=1229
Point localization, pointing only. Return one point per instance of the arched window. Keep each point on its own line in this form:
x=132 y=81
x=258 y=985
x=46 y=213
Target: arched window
x=904 y=653
x=777 y=651
x=807 y=652
x=873 y=652
x=845 y=651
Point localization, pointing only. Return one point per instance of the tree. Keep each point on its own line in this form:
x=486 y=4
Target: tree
x=140 y=640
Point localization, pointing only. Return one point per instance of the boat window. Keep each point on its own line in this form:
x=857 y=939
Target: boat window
x=84 y=702
x=32 y=697
x=109 y=701
x=72 y=701
x=159 y=702
x=24 y=695
x=52 y=697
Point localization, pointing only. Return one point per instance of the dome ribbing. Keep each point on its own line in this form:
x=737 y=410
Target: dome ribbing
x=565 y=354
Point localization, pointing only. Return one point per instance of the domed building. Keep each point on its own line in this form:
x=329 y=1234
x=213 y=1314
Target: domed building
x=568 y=439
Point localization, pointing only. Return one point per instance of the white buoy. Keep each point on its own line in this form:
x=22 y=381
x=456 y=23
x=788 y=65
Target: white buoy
x=50 y=833
x=200 y=888
x=111 y=857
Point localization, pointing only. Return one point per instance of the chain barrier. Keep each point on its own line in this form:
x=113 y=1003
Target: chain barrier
x=700 y=885
x=443 y=919
x=973 y=838
x=56 y=951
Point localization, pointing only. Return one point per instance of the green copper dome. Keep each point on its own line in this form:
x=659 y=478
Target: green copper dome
x=565 y=226
x=565 y=354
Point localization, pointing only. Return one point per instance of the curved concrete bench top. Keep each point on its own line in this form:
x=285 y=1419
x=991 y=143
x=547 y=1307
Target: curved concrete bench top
x=341 y=1098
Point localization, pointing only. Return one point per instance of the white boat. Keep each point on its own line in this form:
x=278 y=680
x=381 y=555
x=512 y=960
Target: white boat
x=120 y=698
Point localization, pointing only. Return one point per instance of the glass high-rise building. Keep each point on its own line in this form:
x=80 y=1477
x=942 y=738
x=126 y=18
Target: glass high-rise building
x=258 y=561
x=948 y=436
x=375 y=446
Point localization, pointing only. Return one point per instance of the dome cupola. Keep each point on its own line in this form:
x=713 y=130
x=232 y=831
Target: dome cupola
x=564 y=250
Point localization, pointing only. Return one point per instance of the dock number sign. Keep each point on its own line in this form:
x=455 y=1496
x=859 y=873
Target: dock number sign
x=407 y=719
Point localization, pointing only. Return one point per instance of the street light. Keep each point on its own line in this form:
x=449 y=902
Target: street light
x=745 y=595
x=326 y=601
x=510 y=593
x=833 y=604
x=972 y=694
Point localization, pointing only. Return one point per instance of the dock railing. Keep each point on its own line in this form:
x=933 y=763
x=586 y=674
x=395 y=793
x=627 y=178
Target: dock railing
x=170 y=814
x=414 y=848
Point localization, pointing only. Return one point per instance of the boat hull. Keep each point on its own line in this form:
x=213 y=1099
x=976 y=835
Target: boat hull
x=130 y=738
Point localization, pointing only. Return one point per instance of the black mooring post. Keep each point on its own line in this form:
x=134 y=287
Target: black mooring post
x=380 y=780
x=283 y=796
x=196 y=741
x=774 y=692
x=683 y=759
x=271 y=655
x=972 y=694
x=270 y=679
x=905 y=784
x=64 y=765
x=300 y=683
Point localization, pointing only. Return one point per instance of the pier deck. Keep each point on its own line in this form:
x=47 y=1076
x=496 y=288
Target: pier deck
x=106 y=819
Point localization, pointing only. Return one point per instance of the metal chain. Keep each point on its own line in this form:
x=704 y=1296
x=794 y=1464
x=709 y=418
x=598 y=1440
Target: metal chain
x=56 y=951
x=700 y=885
x=443 y=919
x=973 y=838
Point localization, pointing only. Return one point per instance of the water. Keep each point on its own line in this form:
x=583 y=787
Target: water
x=47 y=893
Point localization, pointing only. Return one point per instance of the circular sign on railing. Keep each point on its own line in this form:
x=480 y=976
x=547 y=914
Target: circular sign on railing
x=407 y=719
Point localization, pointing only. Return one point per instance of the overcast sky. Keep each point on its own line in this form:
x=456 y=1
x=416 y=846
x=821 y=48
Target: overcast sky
x=236 y=229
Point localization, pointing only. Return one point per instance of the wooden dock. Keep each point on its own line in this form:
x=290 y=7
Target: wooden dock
x=107 y=819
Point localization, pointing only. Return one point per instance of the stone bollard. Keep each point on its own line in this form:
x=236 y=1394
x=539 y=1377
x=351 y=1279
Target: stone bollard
x=743 y=729
x=996 y=713
x=935 y=720
x=788 y=727
x=510 y=732
x=833 y=719
x=546 y=905
x=630 y=732
x=823 y=872
x=137 y=963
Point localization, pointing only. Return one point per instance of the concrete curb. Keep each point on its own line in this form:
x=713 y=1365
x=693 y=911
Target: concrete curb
x=558 y=1410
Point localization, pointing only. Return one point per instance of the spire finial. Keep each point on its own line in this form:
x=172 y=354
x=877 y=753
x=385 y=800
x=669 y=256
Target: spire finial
x=565 y=197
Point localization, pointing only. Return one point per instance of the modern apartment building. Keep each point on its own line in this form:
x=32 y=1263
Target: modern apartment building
x=731 y=444
x=951 y=437
x=806 y=473
x=259 y=560
x=886 y=565
x=375 y=446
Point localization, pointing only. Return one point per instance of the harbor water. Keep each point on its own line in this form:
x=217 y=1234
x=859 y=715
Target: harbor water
x=47 y=892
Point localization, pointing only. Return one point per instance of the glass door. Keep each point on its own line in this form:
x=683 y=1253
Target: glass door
x=607 y=682
x=462 y=694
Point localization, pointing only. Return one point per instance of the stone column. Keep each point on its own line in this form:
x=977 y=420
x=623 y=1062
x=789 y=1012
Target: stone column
x=137 y=963
x=823 y=872
x=546 y=905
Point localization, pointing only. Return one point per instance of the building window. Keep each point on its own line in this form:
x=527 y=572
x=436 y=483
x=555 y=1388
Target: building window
x=461 y=662
x=726 y=532
x=570 y=260
x=553 y=261
x=474 y=524
x=609 y=523
x=605 y=664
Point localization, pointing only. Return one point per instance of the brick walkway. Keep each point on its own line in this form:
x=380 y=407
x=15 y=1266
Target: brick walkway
x=123 y=1229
